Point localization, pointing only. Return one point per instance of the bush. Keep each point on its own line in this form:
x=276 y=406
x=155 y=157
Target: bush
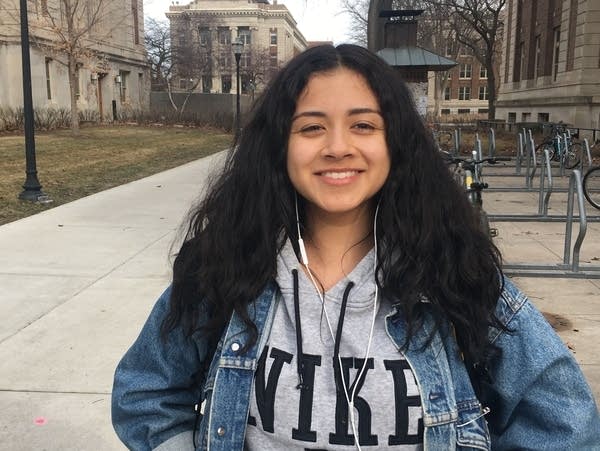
x=45 y=119
x=13 y=119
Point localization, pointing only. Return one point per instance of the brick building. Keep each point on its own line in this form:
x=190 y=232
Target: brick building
x=551 y=62
x=465 y=91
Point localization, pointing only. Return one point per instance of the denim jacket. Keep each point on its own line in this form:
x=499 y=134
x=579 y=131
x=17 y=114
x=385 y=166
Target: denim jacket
x=539 y=398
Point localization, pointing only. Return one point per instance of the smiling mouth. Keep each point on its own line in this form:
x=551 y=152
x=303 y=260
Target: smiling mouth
x=339 y=175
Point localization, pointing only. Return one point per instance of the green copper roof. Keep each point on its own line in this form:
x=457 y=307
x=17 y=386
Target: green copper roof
x=417 y=57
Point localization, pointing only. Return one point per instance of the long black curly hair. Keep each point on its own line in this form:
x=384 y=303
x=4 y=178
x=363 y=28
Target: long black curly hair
x=430 y=242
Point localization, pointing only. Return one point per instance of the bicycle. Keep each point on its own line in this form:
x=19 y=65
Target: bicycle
x=467 y=172
x=561 y=147
x=591 y=186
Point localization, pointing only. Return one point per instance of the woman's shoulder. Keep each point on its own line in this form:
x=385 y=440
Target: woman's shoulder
x=514 y=311
x=510 y=302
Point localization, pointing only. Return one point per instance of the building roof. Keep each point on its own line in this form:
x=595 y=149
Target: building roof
x=415 y=57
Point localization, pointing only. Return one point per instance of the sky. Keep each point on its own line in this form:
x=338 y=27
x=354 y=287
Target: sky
x=318 y=20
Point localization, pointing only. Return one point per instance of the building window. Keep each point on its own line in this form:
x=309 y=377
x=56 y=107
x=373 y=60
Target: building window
x=464 y=111
x=78 y=87
x=447 y=93
x=225 y=59
x=273 y=62
x=555 y=53
x=224 y=35
x=464 y=93
x=543 y=117
x=123 y=88
x=245 y=35
x=204 y=36
x=522 y=62
x=465 y=70
x=525 y=117
x=48 y=81
x=483 y=93
x=246 y=83
x=273 y=36
x=512 y=117
x=225 y=84
x=140 y=87
x=206 y=83
x=136 y=21
x=445 y=110
x=536 y=62
x=245 y=60
x=482 y=111
x=517 y=63
x=483 y=72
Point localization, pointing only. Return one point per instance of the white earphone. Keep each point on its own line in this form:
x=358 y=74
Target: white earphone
x=304 y=259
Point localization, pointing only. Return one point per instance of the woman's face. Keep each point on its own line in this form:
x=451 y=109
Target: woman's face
x=337 y=153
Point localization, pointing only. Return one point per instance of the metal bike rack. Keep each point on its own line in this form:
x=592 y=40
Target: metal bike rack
x=530 y=168
x=518 y=158
x=588 y=154
x=491 y=143
x=456 y=142
x=570 y=266
x=543 y=201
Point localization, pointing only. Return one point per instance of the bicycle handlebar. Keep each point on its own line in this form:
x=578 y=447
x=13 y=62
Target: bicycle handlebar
x=490 y=160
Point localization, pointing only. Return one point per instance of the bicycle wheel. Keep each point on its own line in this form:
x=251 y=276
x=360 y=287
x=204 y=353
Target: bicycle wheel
x=591 y=186
x=539 y=151
x=573 y=156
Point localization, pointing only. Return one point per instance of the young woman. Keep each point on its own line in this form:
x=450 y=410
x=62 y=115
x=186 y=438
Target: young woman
x=334 y=292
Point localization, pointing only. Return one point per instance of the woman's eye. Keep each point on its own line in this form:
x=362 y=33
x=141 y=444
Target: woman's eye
x=364 y=126
x=310 y=129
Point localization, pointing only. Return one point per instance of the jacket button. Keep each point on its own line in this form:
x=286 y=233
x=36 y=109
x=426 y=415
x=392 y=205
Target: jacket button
x=235 y=347
x=221 y=431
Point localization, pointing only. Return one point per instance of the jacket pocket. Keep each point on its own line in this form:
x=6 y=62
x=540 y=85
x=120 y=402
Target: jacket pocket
x=472 y=429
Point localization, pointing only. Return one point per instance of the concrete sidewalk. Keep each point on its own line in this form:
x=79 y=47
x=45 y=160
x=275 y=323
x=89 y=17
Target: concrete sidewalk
x=79 y=280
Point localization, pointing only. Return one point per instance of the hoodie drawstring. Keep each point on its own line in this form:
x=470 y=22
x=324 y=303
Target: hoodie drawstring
x=338 y=335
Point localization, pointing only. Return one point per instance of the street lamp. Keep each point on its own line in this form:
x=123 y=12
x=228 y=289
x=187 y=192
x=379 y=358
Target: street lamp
x=237 y=46
x=32 y=190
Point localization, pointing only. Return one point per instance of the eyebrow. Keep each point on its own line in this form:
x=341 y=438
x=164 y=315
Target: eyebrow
x=352 y=112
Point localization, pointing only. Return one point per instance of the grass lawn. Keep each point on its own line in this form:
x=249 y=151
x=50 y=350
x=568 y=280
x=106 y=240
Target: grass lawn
x=70 y=167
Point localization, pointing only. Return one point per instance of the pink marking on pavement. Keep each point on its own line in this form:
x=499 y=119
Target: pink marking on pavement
x=40 y=421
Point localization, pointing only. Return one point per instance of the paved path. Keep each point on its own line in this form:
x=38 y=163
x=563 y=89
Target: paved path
x=79 y=280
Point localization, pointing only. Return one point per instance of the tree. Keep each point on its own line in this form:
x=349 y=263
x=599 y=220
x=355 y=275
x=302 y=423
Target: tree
x=477 y=25
x=192 y=57
x=158 y=45
x=257 y=68
x=68 y=30
x=358 y=10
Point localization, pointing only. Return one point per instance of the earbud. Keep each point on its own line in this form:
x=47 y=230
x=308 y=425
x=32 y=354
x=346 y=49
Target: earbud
x=303 y=255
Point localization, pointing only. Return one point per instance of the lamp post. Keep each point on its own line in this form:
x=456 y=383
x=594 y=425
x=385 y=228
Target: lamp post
x=237 y=46
x=32 y=190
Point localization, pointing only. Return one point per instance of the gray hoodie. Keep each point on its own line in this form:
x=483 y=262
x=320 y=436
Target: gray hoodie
x=314 y=414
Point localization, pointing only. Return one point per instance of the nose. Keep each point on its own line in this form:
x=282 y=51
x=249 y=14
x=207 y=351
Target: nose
x=338 y=144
